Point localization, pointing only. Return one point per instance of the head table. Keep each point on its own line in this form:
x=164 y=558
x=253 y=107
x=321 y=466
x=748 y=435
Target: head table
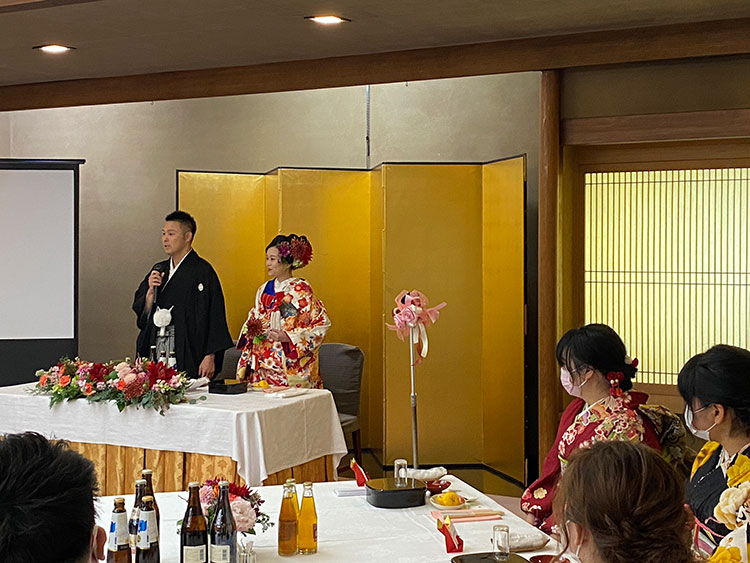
x=350 y=529
x=257 y=434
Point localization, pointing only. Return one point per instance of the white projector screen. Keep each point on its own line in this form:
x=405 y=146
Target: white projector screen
x=37 y=254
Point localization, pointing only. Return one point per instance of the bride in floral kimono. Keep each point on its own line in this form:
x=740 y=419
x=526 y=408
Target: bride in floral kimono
x=596 y=370
x=282 y=334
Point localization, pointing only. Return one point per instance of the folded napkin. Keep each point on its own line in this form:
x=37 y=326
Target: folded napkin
x=359 y=474
x=426 y=474
x=293 y=392
x=527 y=541
x=196 y=384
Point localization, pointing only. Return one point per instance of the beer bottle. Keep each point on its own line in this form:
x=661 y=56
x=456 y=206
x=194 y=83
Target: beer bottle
x=118 y=544
x=193 y=534
x=288 y=523
x=293 y=484
x=147 y=474
x=223 y=547
x=147 y=544
x=307 y=527
x=140 y=492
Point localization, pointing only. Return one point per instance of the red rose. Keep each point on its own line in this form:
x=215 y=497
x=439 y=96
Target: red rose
x=43 y=381
x=64 y=380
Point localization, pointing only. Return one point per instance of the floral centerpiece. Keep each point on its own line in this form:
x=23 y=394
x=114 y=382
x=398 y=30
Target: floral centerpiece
x=142 y=383
x=244 y=502
x=733 y=511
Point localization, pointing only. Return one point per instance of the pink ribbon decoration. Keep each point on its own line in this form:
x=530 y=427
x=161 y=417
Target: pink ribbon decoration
x=411 y=316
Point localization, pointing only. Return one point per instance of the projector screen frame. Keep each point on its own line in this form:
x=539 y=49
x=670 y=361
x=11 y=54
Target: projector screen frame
x=22 y=357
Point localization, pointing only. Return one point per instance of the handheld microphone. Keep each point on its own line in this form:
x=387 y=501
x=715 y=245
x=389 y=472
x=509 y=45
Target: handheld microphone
x=159 y=267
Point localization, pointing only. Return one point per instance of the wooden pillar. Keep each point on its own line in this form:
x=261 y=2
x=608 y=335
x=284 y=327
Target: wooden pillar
x=550 y=395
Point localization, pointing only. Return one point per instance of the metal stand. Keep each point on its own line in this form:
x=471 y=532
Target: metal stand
x=414 y=433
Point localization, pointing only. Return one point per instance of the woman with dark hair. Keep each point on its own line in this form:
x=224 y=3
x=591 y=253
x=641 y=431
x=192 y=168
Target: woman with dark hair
x=596 y=370
x=621 y=502
x=716 y=388
x=285 y=328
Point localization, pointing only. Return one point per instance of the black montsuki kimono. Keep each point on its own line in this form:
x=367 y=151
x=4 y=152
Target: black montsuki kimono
x=198 y=314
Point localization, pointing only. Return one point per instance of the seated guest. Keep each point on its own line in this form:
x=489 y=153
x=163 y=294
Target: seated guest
x=716 y=388
x=282 y=334
x=596 y=370
x=620 y=502
x=47 y=503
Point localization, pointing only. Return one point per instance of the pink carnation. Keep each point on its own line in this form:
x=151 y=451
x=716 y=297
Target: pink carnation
x=207 y=495
x=244 y=514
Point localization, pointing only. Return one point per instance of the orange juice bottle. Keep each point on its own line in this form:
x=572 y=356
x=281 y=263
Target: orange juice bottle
x=308 y=522
x=288 y=523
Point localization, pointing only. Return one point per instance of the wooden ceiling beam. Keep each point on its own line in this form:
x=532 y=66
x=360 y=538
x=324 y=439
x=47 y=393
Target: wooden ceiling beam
x=716 y=38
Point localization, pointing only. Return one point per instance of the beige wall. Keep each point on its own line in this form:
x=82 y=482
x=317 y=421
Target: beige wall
x=133 y=150
x=676 y=86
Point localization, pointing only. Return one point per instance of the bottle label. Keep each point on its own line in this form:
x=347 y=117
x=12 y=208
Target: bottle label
x=220 y=553
x=118 y=531
x=147 y=530
x=194 y=554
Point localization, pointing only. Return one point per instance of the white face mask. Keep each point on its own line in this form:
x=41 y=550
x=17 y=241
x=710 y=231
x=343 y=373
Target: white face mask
x=569 y=555
x=702 y=434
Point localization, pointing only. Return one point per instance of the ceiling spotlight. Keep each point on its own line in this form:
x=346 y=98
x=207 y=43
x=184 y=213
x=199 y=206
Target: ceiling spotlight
x=54 y=49
x=327 y=20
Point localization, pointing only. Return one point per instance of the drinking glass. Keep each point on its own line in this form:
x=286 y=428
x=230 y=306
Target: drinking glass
x=501 y=542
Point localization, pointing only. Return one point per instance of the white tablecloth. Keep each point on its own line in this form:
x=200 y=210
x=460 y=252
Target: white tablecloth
x=349 y=529
x=263 y=434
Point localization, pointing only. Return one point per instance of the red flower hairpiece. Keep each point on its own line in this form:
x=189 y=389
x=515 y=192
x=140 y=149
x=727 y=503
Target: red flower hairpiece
x=615 y=378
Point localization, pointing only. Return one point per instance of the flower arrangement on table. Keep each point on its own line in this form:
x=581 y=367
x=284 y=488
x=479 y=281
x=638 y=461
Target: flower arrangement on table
x=142 y=383
x=244 y=502
x=733 y=511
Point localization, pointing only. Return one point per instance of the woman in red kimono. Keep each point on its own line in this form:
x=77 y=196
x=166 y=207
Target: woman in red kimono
x=285 y=328
x=596 y=370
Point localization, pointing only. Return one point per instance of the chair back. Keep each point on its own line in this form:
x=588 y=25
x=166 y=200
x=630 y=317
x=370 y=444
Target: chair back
x=229 y=365
x=341 y=373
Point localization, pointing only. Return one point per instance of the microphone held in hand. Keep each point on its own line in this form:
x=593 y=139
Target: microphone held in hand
x=158 y=267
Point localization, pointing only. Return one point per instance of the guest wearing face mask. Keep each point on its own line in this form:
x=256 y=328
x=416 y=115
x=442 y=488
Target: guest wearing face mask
x=621 y=502
x=716 y=388
x=596 y=370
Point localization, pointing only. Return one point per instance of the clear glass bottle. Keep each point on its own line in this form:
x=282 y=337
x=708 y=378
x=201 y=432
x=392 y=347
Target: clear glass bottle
x=223 y=547
x=288 y=523
x=172 y=362
x=308 y=522
x=194 y=532
x=118 y=544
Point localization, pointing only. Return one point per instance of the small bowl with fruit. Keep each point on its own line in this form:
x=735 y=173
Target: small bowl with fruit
x=448 y=501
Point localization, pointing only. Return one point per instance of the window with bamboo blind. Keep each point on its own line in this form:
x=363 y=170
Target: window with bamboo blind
x=667 y=262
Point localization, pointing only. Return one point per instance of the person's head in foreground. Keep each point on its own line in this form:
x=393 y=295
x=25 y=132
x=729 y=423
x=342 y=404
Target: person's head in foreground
x=47 y=503
x=716 y=388
x=620 y=502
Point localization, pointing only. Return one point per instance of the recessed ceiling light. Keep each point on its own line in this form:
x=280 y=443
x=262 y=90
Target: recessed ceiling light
x=327 y=20
x=54 y=49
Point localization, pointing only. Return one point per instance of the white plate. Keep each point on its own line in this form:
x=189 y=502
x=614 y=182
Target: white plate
x=439 y=506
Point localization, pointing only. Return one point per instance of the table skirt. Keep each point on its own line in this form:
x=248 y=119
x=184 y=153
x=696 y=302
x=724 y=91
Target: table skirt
x=117 y=468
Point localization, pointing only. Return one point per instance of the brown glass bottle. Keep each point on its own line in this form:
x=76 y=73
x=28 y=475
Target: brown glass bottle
x=223 y=529
x=147 y=544
x=148 y=475
x=140 y=492
x=118 y=543
x=288 y=523
x=193 y=533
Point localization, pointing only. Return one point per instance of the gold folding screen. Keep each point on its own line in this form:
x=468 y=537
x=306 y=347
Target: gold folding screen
x=454 y=232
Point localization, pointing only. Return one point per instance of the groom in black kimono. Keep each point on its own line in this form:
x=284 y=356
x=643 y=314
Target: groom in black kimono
x=189 y=285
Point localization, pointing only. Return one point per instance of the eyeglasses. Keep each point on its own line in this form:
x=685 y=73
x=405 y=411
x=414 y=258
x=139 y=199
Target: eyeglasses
x=579 y=370
x=701 y=409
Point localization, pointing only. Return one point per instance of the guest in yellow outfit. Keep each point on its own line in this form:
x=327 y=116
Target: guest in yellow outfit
x=716 y=388
x=288 y=323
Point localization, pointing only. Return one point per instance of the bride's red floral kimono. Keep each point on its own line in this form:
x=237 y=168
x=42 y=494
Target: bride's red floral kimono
x=289 y=306
x=625 y=418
